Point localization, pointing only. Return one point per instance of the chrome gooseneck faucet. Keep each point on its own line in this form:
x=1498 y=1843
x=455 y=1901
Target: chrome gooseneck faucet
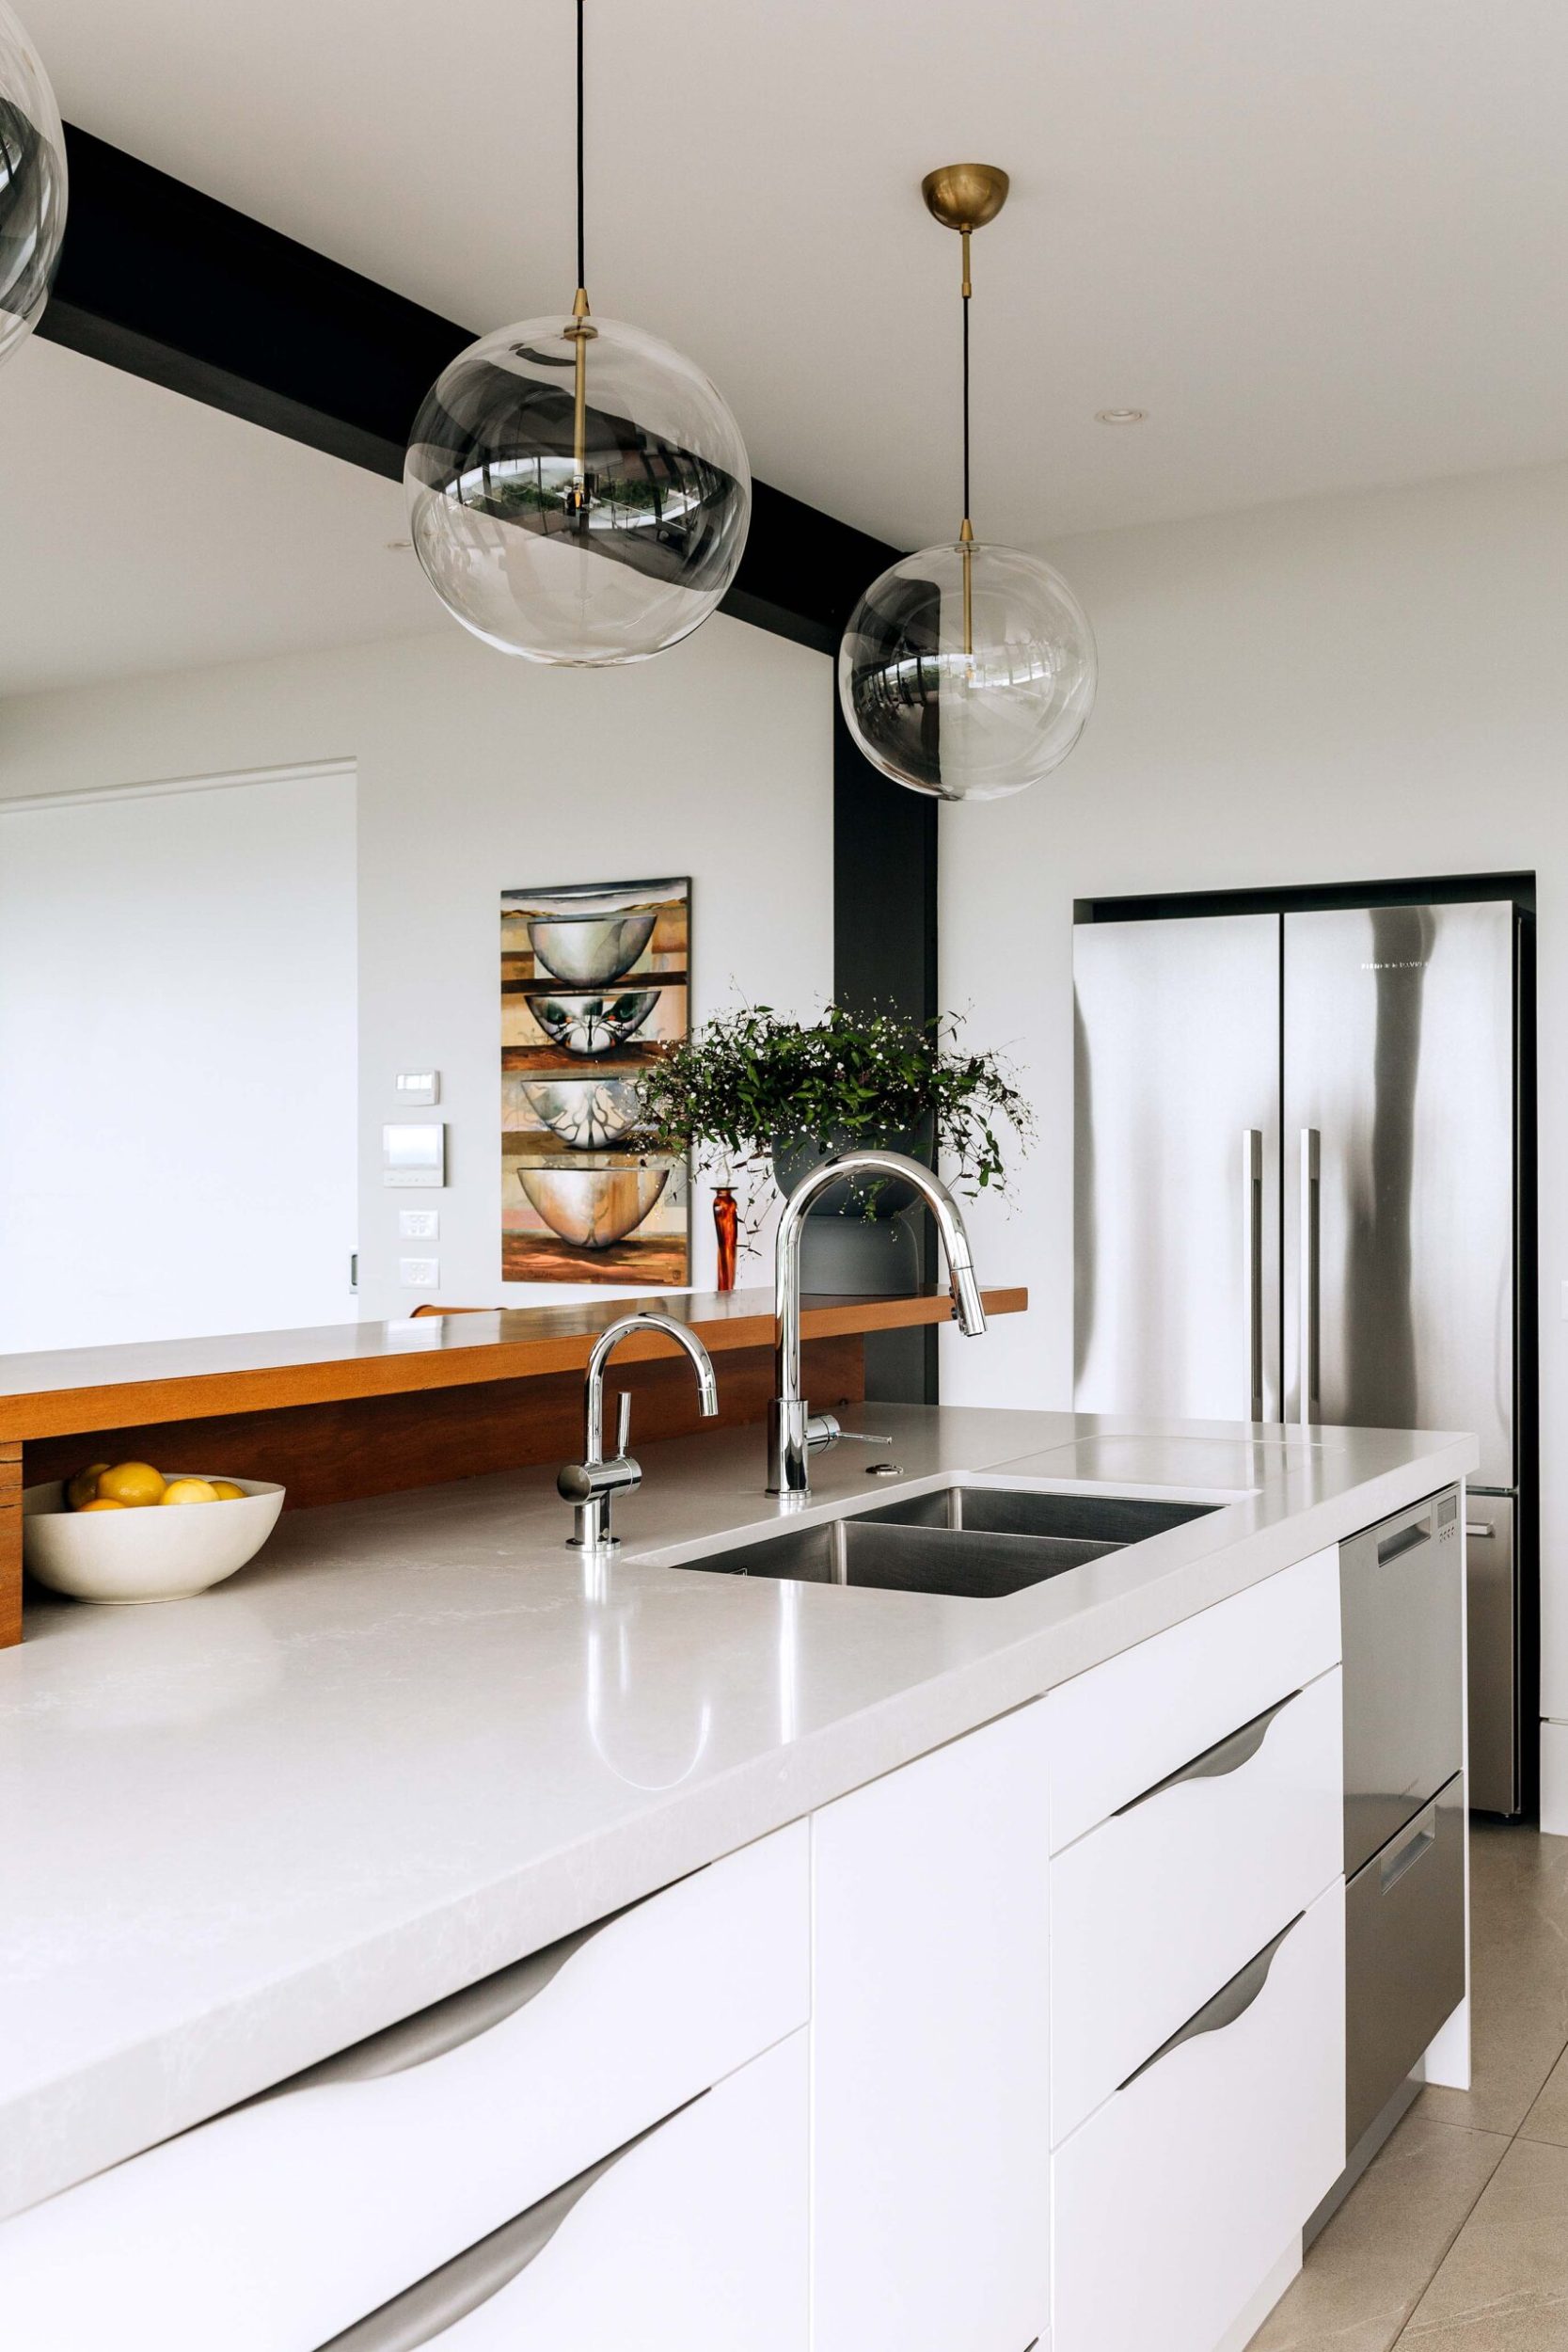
x=794 y=1433
x=592 y=1483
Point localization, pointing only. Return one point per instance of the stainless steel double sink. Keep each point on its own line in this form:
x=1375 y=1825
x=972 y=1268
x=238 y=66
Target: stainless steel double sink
x=973 y=1543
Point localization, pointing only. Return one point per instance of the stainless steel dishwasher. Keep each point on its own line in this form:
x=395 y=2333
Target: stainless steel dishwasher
x=1401 y=1596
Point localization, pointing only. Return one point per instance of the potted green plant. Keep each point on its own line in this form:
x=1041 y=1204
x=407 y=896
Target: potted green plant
x=754 y=1092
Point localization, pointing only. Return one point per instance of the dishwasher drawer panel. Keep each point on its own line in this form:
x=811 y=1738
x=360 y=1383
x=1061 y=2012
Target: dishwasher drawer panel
x=1173 y=2203
x=693 y=2239
x=1401 y=1597
x=1157 y=1908
x=1405 y=1953
x=279 y=2223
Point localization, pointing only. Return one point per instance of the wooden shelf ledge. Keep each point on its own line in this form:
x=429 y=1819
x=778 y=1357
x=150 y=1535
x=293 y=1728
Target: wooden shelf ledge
x=71 y=1391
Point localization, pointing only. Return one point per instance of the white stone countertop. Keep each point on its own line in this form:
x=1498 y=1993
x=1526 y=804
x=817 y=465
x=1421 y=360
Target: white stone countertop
x=417 y=1740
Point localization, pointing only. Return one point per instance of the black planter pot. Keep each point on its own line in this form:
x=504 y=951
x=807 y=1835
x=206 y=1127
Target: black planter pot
x=857 y=1240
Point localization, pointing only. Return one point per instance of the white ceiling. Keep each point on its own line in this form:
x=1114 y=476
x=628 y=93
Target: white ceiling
x=142 y=531
x=1322 y=247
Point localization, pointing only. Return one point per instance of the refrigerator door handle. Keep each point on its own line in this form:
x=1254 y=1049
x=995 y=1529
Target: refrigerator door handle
x=1252 y=1265
x=1308 y=1381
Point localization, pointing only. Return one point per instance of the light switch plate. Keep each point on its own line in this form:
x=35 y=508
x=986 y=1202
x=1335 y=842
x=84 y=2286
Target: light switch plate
x=414 y=1154
x=418 y=1224
x=419 y=1274
x=417 y=1085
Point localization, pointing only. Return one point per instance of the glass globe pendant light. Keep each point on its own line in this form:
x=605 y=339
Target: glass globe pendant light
x=32 y=184
x=967 y=671
x=577 y=491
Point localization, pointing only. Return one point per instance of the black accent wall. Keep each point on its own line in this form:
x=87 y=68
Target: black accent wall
x=885 y=958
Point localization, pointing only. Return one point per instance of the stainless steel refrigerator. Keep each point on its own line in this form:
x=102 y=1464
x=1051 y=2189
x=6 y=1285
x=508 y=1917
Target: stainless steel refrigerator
x=1298 y=1156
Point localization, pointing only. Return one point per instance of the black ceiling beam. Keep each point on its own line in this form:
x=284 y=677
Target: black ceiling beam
x=169 y=284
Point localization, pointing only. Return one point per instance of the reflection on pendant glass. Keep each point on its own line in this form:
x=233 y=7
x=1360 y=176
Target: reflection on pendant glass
x=612 y=559
x=32 y=184
x=967 y=673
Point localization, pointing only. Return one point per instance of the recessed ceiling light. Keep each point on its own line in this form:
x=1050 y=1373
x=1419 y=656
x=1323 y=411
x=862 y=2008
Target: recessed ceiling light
x=1120 y=416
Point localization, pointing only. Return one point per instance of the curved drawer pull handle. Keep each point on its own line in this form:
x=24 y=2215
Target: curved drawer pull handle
x=425 y=2311
x=445 y=2024
x=1226 y=1756
x=1229 y=2003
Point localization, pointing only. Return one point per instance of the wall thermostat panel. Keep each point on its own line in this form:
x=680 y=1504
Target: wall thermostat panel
x=417 y=1085
x=414 y=1154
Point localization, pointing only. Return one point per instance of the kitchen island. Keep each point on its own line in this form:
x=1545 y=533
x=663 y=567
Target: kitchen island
x=419 y=1741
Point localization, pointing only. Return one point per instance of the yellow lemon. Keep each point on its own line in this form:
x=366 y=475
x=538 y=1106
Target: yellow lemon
x=131 y=1483
x=82 y=1488
x=101 y=1502
x=226 y=1491
x=189 y=1490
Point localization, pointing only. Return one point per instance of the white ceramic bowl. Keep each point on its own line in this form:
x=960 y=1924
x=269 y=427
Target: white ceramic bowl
x=153 y=1554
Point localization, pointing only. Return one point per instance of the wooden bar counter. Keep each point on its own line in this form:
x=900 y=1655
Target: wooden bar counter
x=362 y=1409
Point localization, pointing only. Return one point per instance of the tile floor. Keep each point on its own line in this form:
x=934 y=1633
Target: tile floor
x=1456 y=2240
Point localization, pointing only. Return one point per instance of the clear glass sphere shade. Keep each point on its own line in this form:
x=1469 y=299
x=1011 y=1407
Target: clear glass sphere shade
x=613 y=561
x=32 y=184
x=967 y=712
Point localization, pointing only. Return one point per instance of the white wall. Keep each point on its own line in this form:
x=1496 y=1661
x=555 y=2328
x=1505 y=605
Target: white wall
x=478 y=772
x=1344 y=689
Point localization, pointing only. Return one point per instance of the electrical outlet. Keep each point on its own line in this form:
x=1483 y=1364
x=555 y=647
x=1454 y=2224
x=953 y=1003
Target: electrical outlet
x=418 y=1224
x=419 y=1274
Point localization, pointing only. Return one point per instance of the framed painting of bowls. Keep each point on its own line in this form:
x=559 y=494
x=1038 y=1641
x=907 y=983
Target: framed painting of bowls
x=596 y=986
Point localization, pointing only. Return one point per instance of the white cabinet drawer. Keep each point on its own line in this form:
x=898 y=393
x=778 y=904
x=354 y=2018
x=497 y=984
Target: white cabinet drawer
x=1174 y=2201
x=276 y=2225
x=693 y=2239
x=1121 y=1727
x=1160 y=1905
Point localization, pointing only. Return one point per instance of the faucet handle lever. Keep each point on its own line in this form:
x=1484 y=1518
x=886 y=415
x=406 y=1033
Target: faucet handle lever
x=861 y=1437
x=623 y=1422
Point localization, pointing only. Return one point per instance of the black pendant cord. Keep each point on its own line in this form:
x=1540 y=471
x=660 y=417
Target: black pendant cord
x=583 y=266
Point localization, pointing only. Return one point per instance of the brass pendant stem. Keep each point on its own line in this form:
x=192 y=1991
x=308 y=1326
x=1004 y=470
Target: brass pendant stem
x=579 y=334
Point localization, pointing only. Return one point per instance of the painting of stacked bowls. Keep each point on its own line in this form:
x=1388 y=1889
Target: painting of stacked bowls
x=594 y=988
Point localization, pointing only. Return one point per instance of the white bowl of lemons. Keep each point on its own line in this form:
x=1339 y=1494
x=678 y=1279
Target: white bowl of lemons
x=122 y=1532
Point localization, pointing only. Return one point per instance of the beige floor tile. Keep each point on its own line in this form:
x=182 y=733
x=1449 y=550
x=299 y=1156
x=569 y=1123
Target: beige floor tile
x=1519 y=1964
x=1504 y=2285
x=1548 y=2118
x=1368 y=2271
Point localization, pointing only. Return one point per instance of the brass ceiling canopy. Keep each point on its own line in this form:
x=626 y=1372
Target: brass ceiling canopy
x=965 y=196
